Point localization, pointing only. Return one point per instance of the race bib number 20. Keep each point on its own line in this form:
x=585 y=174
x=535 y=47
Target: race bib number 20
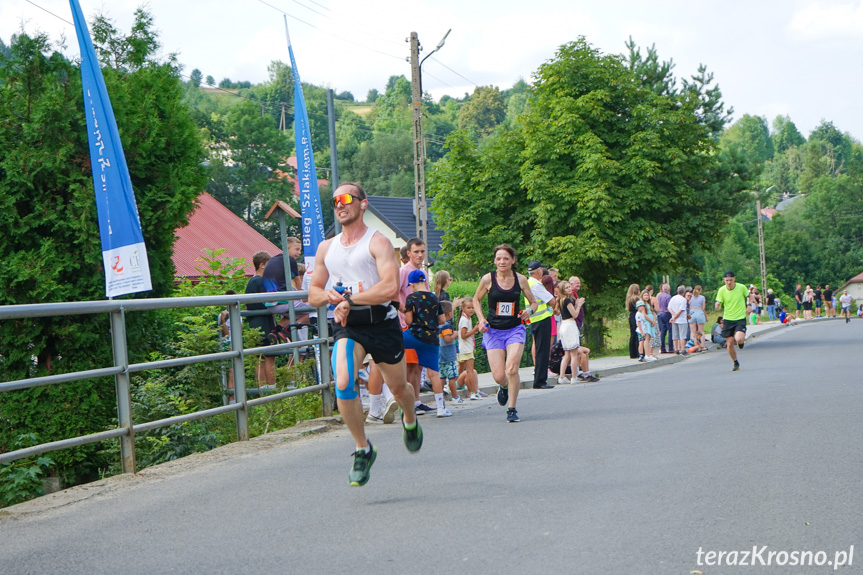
x=505 y=308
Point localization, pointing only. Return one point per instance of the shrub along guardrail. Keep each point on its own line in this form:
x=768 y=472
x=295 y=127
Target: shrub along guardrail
x=121 y=369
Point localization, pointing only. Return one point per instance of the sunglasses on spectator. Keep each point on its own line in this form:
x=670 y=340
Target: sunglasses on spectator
x=344 y=199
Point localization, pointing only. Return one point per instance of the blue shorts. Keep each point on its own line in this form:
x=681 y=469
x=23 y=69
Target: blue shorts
x=428 y=354
x=448 y=370
x=501 y=338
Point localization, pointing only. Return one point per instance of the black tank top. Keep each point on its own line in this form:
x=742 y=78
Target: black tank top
x=503 y=305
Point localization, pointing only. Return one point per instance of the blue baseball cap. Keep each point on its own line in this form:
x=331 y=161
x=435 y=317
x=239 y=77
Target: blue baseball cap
x=416 y=277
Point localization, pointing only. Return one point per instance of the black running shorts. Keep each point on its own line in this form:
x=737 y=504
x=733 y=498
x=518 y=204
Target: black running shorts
x=383 y=340
x=732 y=326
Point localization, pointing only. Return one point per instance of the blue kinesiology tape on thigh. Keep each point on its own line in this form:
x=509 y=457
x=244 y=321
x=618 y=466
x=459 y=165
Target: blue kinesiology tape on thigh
x=350 y=392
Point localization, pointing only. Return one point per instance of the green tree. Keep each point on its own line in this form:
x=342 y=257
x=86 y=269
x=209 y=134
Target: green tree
x=750 y=136
x=195 y=78
x=49 y=233
x=603 y=176
x=785 y=135
x=211 y=81
x=483 y=111
x=244 y=169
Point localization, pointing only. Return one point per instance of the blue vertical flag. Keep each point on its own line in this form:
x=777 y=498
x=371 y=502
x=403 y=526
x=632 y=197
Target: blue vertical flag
x=310 y=200
x=123 y=252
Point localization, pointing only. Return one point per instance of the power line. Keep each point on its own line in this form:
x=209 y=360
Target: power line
x=330 y=33
x=49 y=12
x=474 y=84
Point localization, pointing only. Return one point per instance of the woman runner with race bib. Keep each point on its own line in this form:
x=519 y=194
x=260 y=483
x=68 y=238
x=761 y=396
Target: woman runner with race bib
x=503 y=330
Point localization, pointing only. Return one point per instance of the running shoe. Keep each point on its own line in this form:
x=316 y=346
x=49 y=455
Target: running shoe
x=563 y=380
x=457 y=400
x=390 y=410
x=359 y=474
x=413 y=438
x=502 y=395
x=423 y=408
x=512 y=415
x=375 y=418
x=481 y=393
x=444 y=412
x=588 y=378
x=740 y=344
x=475 y=397
x=736 y=366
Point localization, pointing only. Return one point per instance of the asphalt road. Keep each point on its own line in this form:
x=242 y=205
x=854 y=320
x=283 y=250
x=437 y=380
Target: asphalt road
x=635 y=474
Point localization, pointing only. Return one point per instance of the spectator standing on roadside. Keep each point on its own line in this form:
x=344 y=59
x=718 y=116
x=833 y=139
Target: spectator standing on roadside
x=569 y=334
x=829 y=310
x=677 y=307
x=265 y=372
x=633 y=296
x=817 y=294
x=540 y=325
x=583 y=354
x=664 y=318
x=771 y=305
x=697 y=318
x=415 y=252
x=808 y=299
x=798 y=301
x=732 y=296
x=442 y=280
x=467 y=375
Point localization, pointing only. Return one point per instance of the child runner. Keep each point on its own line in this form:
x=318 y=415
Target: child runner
x=423 y=315
x=467 y=376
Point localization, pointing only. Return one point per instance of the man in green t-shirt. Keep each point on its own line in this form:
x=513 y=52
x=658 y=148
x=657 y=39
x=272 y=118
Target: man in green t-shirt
x=733 y=297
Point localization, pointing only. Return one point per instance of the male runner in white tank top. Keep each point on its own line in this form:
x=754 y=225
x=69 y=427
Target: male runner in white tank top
x=363 y=260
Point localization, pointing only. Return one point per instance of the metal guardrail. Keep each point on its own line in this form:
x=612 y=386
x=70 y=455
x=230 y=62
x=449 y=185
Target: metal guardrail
x=121 y=369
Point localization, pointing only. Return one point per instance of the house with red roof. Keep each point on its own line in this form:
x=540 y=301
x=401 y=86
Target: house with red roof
x=213 y=226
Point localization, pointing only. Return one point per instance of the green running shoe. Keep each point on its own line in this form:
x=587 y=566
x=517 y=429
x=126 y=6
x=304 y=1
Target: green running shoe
x=359 y=474
x=413 y=437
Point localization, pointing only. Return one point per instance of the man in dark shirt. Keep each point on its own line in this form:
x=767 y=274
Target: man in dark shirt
x=828 y=302
x=664 y=317
x=798 y=301
x=818 y=300
x=266 y=370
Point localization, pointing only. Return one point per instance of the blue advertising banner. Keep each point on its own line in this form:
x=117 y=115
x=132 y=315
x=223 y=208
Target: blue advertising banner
x=123 y=252
x=312 y=224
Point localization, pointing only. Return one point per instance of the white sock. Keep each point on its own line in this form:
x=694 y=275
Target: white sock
x=438 y=397
x=385 y=391
x=374 y=404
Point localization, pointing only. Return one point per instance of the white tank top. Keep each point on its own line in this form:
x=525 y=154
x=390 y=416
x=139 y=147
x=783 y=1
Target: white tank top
x=353 y=265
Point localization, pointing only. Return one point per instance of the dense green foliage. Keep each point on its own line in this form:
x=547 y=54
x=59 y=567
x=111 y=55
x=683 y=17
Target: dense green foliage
x=610 y=172
x=49 y=234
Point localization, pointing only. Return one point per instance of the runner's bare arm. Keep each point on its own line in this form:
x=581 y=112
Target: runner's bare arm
x=481 y=290
x=317 y=295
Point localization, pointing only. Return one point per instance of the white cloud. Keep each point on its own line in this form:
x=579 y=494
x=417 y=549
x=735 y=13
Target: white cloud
x=828 y=21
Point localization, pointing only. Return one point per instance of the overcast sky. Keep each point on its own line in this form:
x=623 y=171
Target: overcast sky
x=796 y=57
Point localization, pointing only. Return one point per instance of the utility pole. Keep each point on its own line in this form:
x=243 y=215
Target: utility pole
x=761 y=249
x=334 y=160
x=419 y=149
x=419 y=144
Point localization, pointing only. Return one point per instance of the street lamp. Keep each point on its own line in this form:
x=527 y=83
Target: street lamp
x=419 y=146
x=761 y=242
